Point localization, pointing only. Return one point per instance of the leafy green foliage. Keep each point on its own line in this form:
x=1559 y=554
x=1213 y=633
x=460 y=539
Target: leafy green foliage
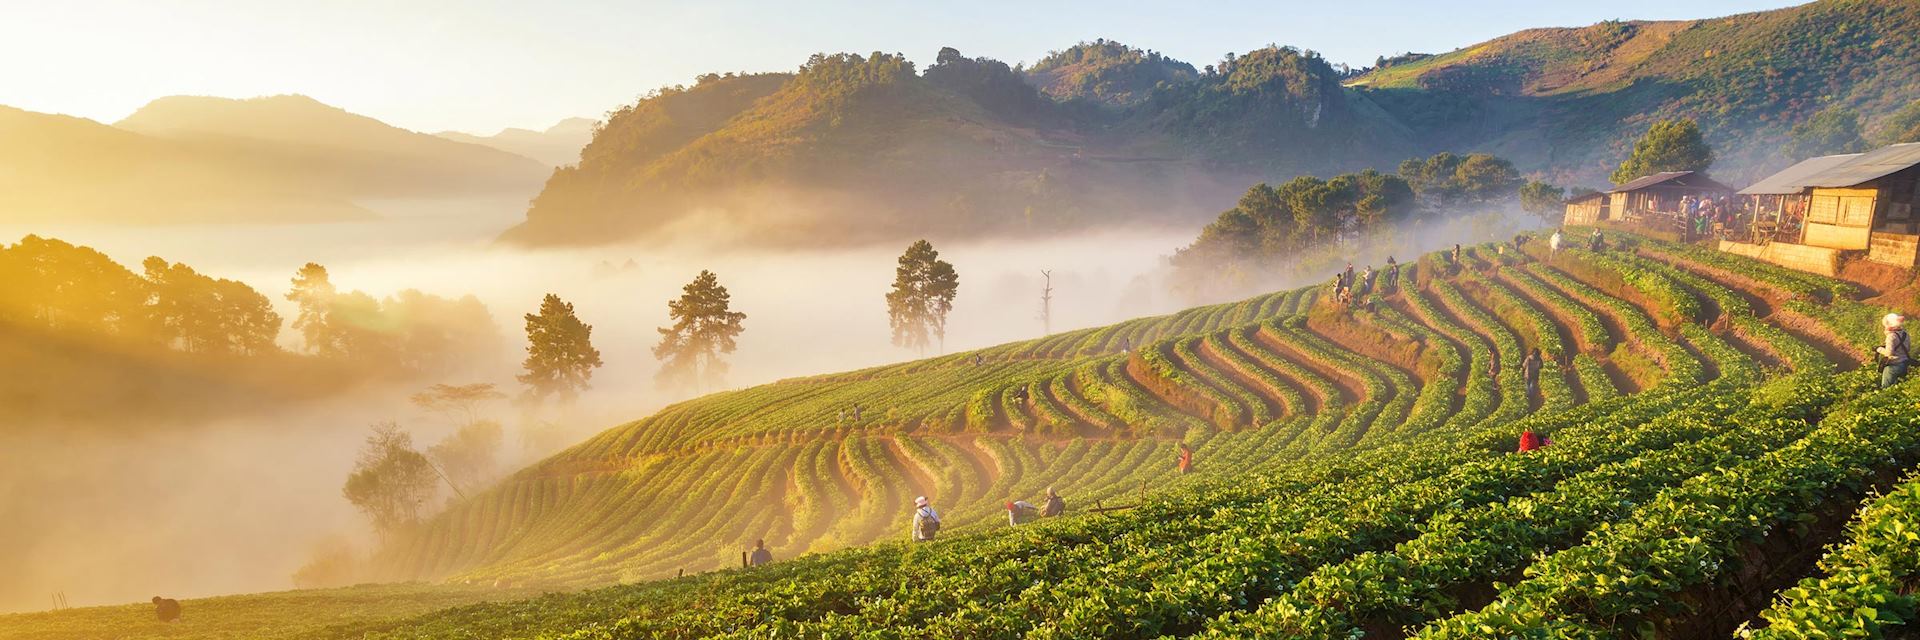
x=923 y=290
x=1106 y=72
x=1542 y=199
x=1670 y=145
x=560 y=353
x=1901 y=126
x=705 y=327
x=1830 y=131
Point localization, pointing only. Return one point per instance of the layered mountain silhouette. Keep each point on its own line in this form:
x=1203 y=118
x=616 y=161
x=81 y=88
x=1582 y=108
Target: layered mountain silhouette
x=857 y=147
x=558 y=145
x=197 y=159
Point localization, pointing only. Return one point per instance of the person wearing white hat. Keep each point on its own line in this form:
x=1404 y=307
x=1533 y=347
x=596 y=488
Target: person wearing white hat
x=1894 y=354
x=926 y=521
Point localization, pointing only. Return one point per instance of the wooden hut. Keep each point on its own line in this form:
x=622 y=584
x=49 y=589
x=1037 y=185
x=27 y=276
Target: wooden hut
x=1778 y=203
x=1586 y=209
x=1867 y=203
x=1861 y=202
x=1656 y=198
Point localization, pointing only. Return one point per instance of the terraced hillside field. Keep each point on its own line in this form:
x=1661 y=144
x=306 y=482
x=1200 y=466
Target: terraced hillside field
x=1355 y=477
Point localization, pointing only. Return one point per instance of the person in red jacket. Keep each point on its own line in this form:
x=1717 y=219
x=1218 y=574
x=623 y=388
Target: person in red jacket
x=1186 y=458
x=1529 y=441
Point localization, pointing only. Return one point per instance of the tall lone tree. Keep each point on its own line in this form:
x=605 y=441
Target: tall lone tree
x=923 y=291
x=390 y=480
x=704 y=327
x=1670 y=145
x=560 y=354
x=314 y=294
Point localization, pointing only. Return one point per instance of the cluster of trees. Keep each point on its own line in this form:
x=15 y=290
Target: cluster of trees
x=561 y=357
x=1669 y=145
x=55 y=286
x=1273 y=221
x=1106 y=72
x=393 y=482
x=411 y=332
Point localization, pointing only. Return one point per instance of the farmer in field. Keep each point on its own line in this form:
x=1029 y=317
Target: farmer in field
x=760 y=554
x=1530 y=441
x=1393 y=273
x=1894 y=355
x=167 y=609
x=1054 y=505
x=1186 y=458
x=1020 y=512
x=1553 y=243
x=926 y=521
x=1530 y=369
x=1597 y=243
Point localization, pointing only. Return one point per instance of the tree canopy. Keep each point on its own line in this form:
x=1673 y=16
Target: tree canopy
x=560 y=353
x=924 y=287
x=1828 y=132
x=1670 y=145
x=705 y=326
x=391 y=479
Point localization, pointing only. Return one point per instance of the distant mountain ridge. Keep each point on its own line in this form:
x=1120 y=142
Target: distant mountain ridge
x=201 y=159
x=558 y=145
x=1103 y=134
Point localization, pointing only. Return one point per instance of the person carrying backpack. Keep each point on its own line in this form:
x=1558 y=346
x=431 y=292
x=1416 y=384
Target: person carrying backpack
x=1054 y=505
x=926 y=521
x=1893 y=355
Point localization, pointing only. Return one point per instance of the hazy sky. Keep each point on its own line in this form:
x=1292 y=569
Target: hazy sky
x=480 y=65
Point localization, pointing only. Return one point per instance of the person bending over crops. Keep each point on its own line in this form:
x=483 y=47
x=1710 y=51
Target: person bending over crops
x=926 y=521
x=1186 y=458
x=1530 y=441
x=760 y=554
x=1054 y=505
x=1894 y=356
x=1020 y=512
x=167 y=609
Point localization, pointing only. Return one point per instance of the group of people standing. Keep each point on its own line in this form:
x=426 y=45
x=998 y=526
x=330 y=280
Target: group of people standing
x=1349 y=286
x=1699 y=215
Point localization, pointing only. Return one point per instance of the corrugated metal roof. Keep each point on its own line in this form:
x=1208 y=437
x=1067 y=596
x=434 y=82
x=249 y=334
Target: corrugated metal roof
x=1699 y=182
x=1871 y=165
x=1794 y=179
x=1643 y=182
x=1585 y=197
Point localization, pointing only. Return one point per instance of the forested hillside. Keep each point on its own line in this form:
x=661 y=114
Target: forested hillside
x=1354 y=475
x=1570 y=101
x=851 y=147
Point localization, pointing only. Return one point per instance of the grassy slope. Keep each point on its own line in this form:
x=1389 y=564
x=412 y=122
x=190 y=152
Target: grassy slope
x=1268 y=451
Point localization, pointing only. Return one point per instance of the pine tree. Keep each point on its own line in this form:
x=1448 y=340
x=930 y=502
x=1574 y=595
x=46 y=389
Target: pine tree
x=314 y=294
x=704 y=328
x=923 y=290
x=560 y=354
x=1670 y=145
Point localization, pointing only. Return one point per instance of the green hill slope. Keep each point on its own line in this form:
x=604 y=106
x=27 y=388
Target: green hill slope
x=1354 y=477
x=853 y=148
x=1571 y=100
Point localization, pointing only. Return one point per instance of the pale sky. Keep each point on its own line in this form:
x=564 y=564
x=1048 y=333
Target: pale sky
x=479 y=65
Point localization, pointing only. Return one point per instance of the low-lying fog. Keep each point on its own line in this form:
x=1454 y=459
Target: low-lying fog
x=238 y=505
